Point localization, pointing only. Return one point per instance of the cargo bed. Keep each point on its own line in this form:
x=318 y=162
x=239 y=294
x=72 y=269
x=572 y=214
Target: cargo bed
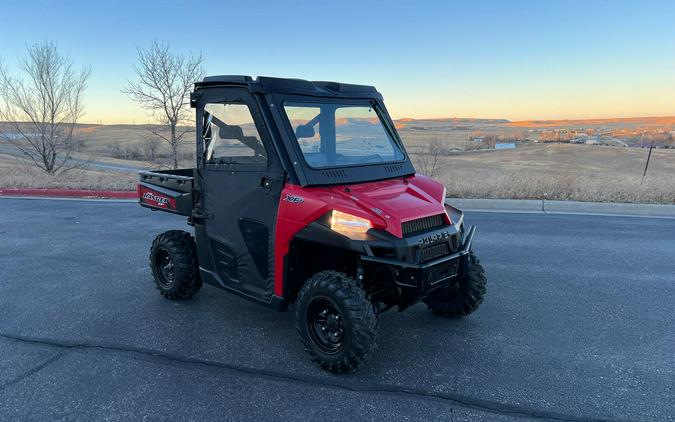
x=167 y=190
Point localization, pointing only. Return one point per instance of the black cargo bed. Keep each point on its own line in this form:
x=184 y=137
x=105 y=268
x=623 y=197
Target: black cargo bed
x=167 y=190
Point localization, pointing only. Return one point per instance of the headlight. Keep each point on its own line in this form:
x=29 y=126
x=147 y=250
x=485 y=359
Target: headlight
x=349 y=225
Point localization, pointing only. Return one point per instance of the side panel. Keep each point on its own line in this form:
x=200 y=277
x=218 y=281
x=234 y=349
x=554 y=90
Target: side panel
x=297 y=208
x=301 y=206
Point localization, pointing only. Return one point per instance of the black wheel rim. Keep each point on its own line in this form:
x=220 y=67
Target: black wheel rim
x=325 y=325
x=165 y=268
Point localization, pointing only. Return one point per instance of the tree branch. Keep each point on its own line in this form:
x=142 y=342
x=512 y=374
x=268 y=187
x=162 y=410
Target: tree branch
x=164 y=81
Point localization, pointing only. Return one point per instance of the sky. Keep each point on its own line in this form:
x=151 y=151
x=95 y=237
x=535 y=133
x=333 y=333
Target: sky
x=517 y=60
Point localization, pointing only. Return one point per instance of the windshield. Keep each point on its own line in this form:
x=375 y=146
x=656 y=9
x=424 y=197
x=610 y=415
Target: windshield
x=334 y=135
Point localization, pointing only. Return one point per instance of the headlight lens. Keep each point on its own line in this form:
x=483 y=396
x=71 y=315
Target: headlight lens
x=349 y=225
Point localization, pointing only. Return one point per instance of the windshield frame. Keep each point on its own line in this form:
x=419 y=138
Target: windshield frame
x=346 y=102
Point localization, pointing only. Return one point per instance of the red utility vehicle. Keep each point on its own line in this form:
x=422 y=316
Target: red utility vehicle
x=303 y=193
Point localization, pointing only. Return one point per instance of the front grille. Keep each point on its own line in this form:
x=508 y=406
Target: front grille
x=423 y=224
x=433 y=252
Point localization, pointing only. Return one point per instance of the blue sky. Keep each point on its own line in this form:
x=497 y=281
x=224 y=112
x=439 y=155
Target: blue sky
x=516 y=60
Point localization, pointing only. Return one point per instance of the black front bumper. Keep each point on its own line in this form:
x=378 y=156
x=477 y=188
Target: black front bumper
x=430 y=275
x=416 y=263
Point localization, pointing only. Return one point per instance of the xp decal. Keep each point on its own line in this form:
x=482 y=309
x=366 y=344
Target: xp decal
x=294 y=199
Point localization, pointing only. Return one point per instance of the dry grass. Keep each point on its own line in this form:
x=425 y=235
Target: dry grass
x=97 y=142
x=561 y=172
x=533 y=171
x=16 y=173
x=587 y=188
x=96 y=145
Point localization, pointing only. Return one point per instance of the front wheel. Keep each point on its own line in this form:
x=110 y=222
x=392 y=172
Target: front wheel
x=336 y=322
x=463 y=296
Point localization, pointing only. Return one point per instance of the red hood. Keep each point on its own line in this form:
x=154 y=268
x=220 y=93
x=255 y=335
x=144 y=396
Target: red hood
x=386 y=203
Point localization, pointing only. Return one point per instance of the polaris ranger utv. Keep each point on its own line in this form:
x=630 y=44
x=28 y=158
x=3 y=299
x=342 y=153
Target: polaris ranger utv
x=303 y=193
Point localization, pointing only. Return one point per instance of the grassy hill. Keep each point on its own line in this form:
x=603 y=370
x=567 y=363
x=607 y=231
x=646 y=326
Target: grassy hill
x=560 y=172
x=554 y=171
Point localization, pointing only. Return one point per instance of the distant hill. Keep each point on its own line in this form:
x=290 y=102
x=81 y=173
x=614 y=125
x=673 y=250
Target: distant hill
x=455 y=123
x=661 y=121
x=451 y=120
x=446 y=122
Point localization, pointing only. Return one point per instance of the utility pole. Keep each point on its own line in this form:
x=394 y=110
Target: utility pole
x=649 y=156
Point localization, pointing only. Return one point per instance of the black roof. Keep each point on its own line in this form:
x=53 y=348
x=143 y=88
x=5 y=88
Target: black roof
x=266 y=84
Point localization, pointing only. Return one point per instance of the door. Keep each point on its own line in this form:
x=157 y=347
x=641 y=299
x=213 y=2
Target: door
x=242 y=181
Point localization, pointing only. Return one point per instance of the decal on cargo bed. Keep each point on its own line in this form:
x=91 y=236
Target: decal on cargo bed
x=156 y=200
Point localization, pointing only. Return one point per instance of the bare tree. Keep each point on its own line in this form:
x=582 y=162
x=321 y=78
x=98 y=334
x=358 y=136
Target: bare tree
x=150 y=146
x=163 y=87
x=429 y=156
x=41 y=109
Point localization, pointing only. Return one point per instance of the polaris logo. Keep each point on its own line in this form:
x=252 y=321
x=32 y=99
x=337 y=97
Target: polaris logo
x=433 y=238
x=160 y=200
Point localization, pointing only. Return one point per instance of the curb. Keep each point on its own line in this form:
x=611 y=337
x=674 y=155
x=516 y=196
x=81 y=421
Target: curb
x=71 y=193
x=563 y=207
x=531 y=205
x=651 y=210
x=472 y=204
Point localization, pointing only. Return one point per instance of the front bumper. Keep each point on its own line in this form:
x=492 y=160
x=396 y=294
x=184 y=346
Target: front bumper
x=427 y=276
x=417 y=263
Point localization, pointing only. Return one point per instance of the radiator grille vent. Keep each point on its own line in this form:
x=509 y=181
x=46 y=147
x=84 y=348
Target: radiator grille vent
x=433 y=252
x=423 y=224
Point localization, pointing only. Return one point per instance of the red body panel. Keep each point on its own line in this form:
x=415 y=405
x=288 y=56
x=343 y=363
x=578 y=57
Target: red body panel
x=386 y=204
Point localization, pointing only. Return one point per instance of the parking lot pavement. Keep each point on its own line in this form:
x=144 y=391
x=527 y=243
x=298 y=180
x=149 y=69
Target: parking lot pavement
x=577 y=325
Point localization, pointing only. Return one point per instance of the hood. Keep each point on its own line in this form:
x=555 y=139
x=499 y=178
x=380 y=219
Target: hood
x=388 y=203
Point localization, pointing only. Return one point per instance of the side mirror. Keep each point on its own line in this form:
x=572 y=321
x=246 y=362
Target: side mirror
x=304 y=131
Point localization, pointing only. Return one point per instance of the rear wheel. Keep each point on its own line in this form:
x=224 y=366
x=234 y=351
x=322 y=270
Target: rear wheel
x=173 y=260
x=462 y=297
x=337 y=323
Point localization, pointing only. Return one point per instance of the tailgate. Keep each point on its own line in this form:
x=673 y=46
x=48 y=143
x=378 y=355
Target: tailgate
x=166 y=190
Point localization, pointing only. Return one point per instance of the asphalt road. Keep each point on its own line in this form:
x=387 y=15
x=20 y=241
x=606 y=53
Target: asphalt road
x=577 y=325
